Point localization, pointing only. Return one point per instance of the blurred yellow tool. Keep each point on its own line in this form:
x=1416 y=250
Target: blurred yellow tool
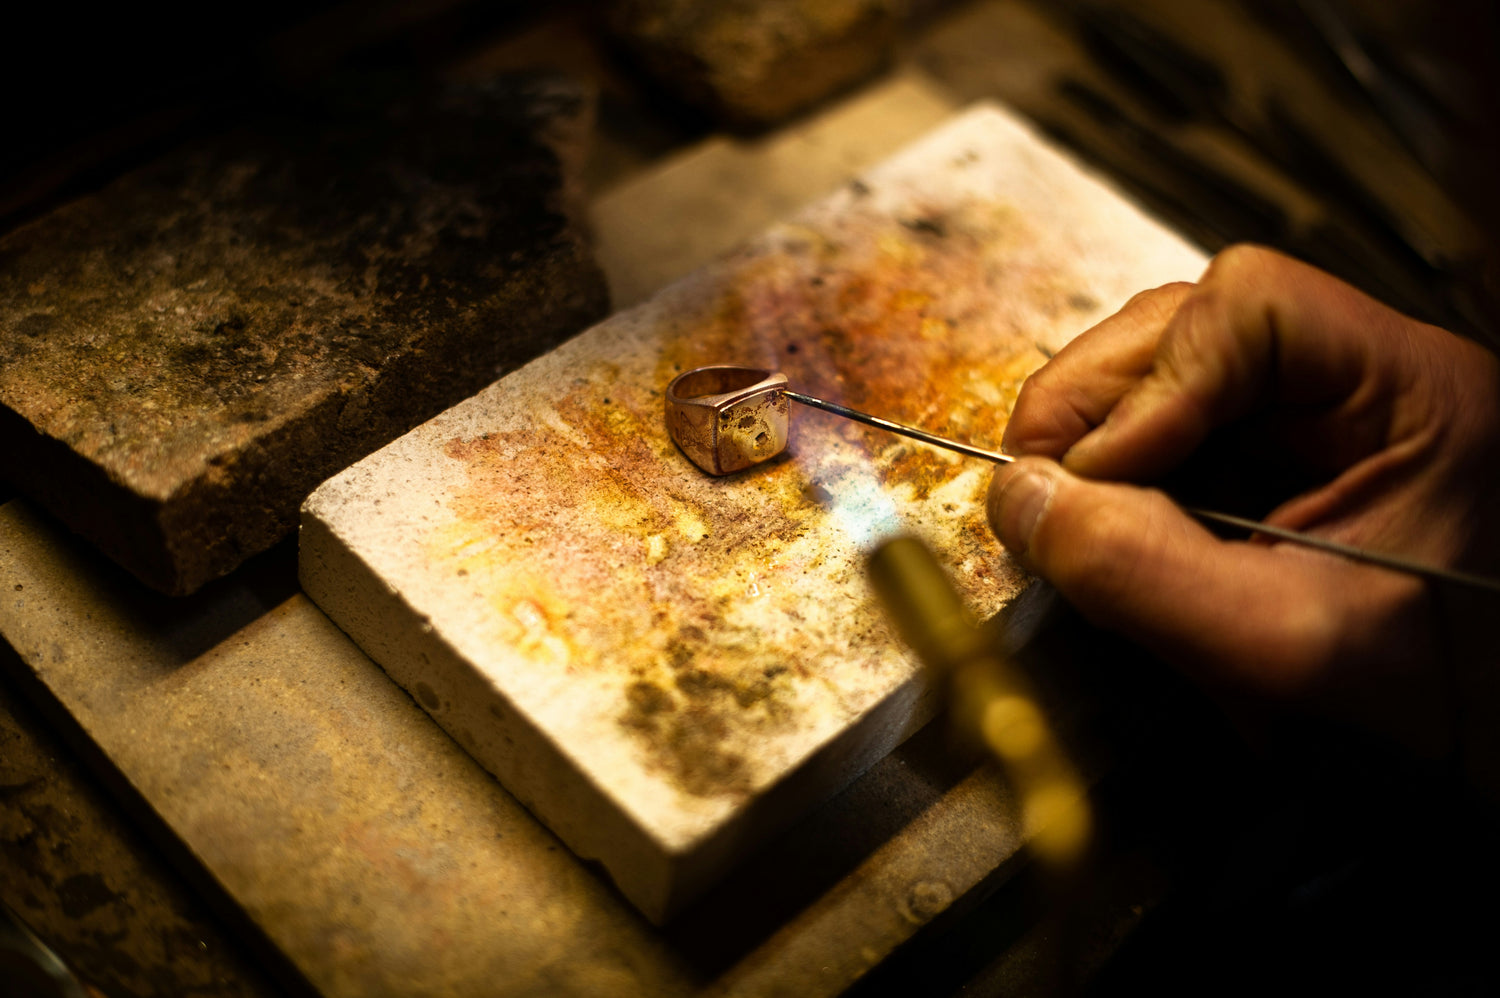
x=989 y=699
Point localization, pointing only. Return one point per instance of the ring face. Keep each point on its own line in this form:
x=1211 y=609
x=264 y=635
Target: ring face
x=727 y=418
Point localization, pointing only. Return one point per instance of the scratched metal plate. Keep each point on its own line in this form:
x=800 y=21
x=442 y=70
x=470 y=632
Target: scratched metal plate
x=664 y=665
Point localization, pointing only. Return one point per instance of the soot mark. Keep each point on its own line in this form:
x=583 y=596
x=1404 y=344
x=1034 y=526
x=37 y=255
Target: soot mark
x=686 y=716
x=927 y=225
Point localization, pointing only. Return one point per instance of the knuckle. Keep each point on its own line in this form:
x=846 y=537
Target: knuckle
x=1303 y=645
x=1330 y=616
x=1043 y=420
x=1220 y=348
x=1237 y=262
x=1159 y=304
x=1034 y=390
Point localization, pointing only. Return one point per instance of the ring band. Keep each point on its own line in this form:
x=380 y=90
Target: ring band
x=727 y=418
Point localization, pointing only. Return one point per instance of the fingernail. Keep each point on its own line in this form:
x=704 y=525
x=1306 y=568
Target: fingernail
x=1019 y=505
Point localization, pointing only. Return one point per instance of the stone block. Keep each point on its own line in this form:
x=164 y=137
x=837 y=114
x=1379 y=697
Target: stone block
x=754 y=63
x=665 y=667
x=186 y=353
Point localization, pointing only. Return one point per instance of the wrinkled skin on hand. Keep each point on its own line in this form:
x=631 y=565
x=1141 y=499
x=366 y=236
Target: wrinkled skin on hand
x=1391 y=426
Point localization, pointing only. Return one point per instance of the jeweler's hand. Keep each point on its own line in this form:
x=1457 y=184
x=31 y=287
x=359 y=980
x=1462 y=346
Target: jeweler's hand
x=1391 y=427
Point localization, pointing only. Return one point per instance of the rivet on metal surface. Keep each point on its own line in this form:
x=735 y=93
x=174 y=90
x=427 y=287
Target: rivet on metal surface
x=726 y=418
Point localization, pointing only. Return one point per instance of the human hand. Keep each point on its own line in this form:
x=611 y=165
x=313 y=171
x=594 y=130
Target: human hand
x=1395 y=424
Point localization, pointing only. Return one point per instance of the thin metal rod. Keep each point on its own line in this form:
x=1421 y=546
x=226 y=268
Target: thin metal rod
x=1393 y=562
x=901 y=428
x=1390 y=561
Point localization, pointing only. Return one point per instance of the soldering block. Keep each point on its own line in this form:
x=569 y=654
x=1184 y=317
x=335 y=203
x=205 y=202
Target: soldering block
x=187 y=352
x=667 y=667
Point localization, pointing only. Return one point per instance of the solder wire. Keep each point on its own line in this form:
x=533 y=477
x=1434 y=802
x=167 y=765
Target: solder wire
x=1393 y=562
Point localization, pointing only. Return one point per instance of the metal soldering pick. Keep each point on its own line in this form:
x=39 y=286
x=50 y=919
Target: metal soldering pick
x=1393 y=562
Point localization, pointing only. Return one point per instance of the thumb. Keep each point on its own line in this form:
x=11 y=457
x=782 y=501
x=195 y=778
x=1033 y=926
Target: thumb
x=1131 y=560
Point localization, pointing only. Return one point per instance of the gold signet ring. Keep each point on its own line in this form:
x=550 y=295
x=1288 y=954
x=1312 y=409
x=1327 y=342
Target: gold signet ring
x=727 y=418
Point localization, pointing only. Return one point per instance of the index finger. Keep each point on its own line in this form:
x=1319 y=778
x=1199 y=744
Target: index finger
x=1263 y=331
x=1075 y=390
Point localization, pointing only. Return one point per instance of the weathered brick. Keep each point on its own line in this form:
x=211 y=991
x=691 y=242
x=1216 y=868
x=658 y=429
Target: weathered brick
x=185 y=354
